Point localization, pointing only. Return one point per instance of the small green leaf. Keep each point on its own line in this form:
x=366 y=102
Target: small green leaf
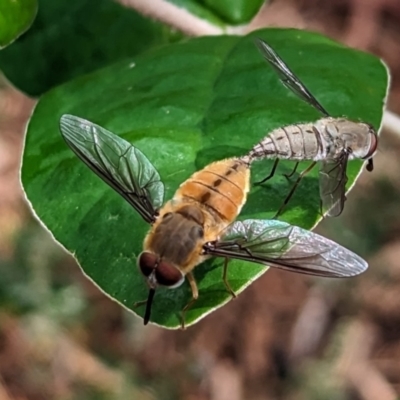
x=184 y=106
x=16 y=16
x=235 y=11
x=221 y=12
x=199 y=10
x=74 y=37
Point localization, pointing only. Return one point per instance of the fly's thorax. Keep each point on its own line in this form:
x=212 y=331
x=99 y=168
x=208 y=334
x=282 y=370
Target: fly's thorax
x=178 y=235
x=329 y=135
x=359 y=137
x=220 y=189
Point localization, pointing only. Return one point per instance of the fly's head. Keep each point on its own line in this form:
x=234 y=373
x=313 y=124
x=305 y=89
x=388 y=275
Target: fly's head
x=157 y=272
x=362 y=139
x=373 y=144
x=171 y=248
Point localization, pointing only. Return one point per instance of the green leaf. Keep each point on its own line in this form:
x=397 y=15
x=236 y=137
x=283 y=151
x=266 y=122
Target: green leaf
x=16 y=16
x=221 y=12
x=184 y=106
x=71 y=38
x=200 y=11
x=235 y=11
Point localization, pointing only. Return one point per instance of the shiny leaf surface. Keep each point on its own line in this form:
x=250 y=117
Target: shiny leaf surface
x=15 y=18
x=184 y=106
x=74 y=37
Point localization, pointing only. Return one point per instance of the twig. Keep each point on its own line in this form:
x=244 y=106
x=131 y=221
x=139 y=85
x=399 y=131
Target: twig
x=391 y=122
x=175 y=16
x=279 y=14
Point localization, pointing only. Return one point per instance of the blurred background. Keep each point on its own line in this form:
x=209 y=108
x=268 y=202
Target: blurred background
x=288 y=336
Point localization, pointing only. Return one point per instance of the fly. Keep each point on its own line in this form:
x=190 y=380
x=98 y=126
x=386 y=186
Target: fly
x=330 y=141
x=199 y=221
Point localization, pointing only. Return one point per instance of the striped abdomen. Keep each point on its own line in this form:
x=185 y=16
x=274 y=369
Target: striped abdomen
x=220 y=187
x=294 y=142
x=323 y=139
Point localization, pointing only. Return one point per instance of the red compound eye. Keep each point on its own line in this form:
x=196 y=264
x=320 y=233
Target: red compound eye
x=147 y=263
x=373 y=146
x=168 y=275
x=165 y=274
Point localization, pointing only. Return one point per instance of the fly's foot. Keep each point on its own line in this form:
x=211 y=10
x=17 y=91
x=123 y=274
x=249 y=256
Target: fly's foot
x=183 y=326
x=230 y=290
x=139 y=303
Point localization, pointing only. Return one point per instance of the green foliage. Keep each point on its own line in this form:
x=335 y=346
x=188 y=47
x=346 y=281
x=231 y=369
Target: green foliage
x=199 y=10
x=15 y=18
x=184 y=106
x=235 y=11
x=71 y=38
x=221 y=12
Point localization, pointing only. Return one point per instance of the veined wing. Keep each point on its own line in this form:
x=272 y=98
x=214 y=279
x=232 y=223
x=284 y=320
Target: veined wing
x=332 y=185
x=287 y=77
x=124 y=167
x=279 y=244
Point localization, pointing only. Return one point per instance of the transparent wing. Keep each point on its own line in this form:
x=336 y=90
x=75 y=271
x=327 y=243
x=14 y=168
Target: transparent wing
x=332 y=185
x=124 y=167
x=278 y=244
x=287 y=77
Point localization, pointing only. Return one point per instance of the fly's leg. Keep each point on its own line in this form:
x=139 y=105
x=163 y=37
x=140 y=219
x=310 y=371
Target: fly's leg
x=195 y=296
x=139 y=303
x=321 y=210
x=370 y=165
x=271 y=174
x=224 y=278
x=288 y=176
x=294 y=187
